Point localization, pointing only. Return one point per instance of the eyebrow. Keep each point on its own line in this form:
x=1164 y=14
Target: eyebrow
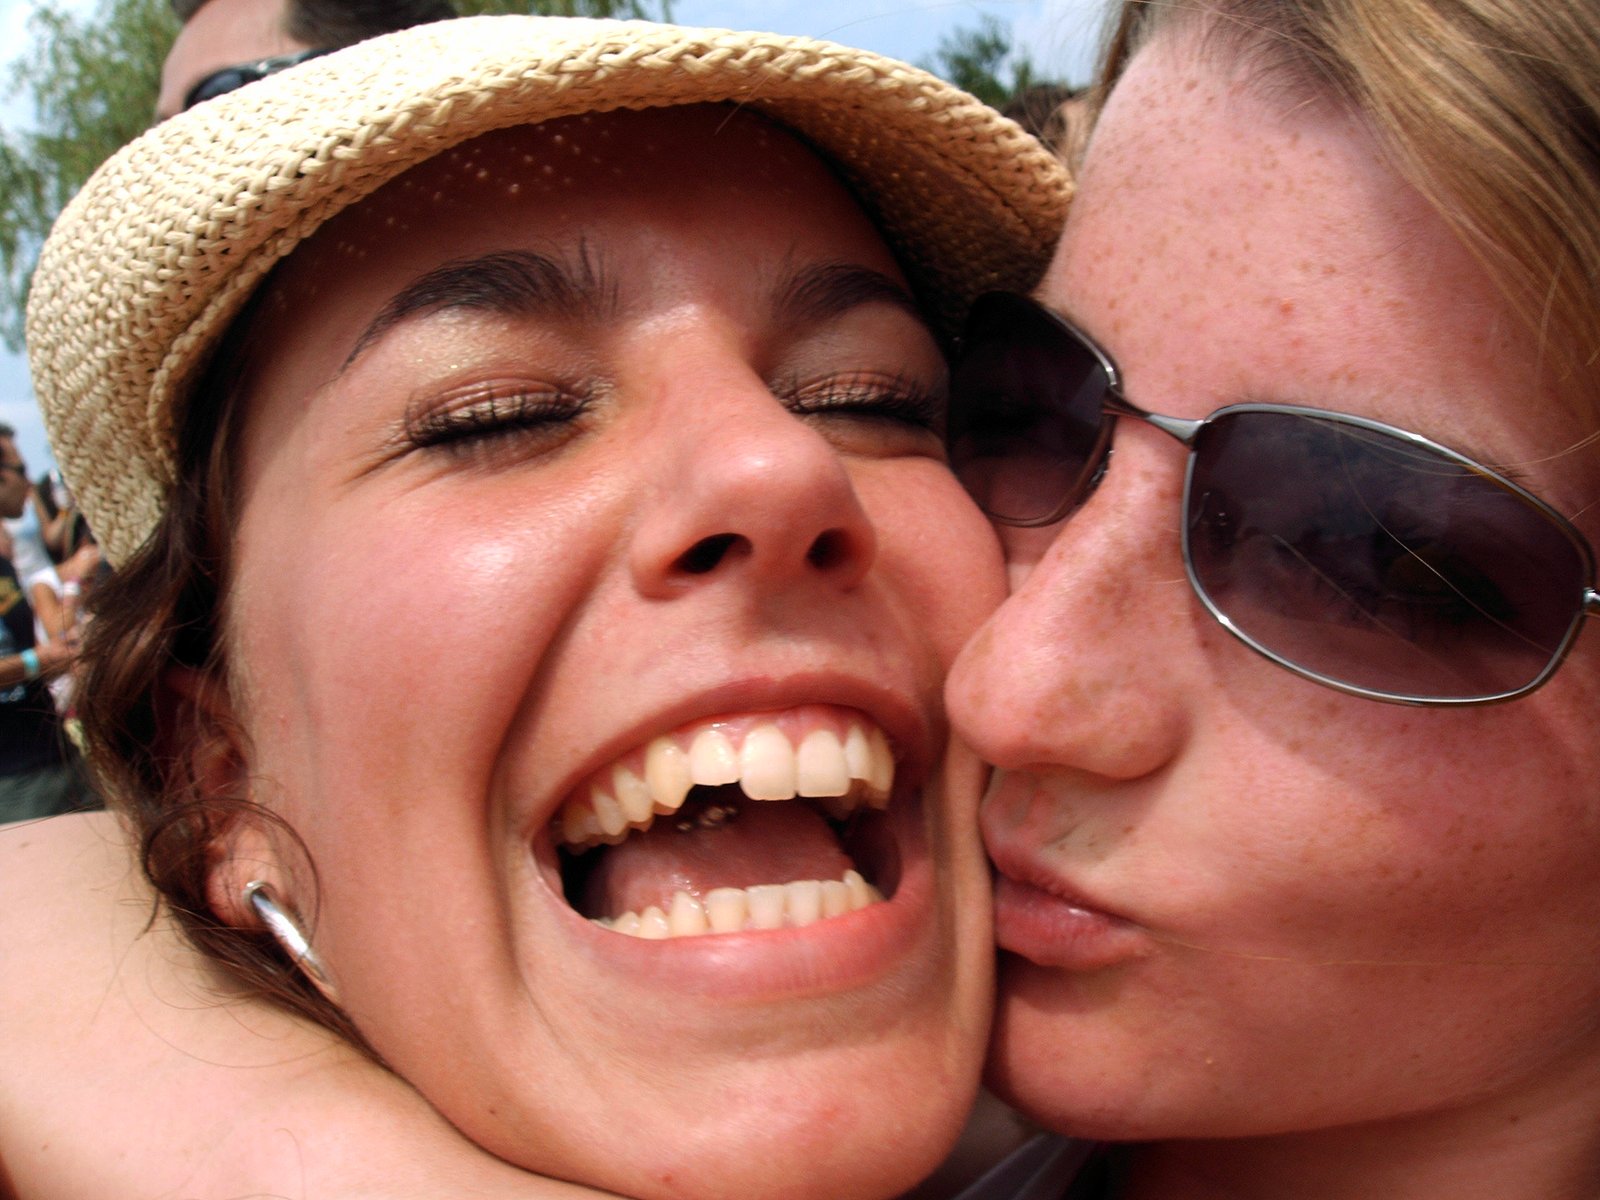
x=513 y=283
x=521 y=283
x=817 y=293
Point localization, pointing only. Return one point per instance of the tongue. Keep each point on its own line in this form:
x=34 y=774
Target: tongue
x=761 y=842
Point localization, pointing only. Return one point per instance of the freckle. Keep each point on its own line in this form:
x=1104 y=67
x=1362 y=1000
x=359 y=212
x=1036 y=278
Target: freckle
x=1286 y=307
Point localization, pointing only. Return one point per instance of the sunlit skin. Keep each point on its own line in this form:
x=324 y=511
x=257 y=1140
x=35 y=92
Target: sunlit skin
x=1237 y=905
x=222 y=33
x=435 y=644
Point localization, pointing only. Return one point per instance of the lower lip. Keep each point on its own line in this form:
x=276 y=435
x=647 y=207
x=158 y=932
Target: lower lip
x=840 y=954
x=1053 y=932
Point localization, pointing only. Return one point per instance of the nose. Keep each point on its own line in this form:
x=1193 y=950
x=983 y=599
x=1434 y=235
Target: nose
x=751 y=491
x=1087 y=666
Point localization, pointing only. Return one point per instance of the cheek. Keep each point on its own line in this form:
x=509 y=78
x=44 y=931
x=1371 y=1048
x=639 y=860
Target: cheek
x=358 y=626
x=1383 y=832
x=939 y=549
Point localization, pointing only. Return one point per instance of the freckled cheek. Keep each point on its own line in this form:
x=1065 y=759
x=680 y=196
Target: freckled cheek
x=1357 y=843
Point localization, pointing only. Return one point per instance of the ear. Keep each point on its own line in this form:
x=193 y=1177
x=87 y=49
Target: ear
x=249 y=844
x=203 y=739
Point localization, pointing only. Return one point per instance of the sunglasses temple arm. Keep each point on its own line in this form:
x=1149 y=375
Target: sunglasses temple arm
x=1591 y=602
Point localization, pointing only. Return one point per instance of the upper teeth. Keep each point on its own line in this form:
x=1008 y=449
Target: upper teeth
x=844 y=772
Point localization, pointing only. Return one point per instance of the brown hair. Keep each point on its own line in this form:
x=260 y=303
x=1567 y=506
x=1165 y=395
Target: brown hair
x=160 y=610
x=1491 y=108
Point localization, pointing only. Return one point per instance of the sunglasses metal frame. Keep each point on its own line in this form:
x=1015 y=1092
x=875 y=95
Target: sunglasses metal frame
x=1187 y=430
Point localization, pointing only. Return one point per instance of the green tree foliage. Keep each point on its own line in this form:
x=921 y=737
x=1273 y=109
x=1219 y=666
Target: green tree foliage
x=980 y=60
x=91 y=82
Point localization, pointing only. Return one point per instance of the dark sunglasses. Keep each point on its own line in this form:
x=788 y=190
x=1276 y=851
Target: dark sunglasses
x=231 y=79
x=1358 y=555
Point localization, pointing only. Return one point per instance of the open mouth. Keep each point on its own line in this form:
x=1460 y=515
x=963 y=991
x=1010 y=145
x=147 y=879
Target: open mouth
x=749 y=824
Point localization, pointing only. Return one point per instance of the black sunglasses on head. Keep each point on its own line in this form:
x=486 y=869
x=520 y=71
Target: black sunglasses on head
x=1361 y=556
x=231 y=79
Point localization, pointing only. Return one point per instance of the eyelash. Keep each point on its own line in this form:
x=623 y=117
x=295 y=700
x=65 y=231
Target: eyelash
x=486 y=422
x=523 y=421
x=901 y=399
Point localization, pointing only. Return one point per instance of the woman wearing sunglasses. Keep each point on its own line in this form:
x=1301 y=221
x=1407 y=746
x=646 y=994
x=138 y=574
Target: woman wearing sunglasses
x=1297 y=822
x=524 y=663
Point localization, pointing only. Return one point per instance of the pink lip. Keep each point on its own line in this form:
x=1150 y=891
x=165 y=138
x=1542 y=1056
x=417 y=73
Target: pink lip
x=1054 y=932
x=1048 y=923
x=848 y=953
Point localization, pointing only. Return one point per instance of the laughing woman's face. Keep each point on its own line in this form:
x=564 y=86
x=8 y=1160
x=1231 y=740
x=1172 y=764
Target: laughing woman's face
x=596 y=575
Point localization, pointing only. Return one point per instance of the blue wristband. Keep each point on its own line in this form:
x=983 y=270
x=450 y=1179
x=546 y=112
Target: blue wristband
x=30 y=662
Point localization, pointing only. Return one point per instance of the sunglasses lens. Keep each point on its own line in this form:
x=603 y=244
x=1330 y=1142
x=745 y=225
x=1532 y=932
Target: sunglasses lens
x=1026 y=430
x=218 y=83
x=1375 y=562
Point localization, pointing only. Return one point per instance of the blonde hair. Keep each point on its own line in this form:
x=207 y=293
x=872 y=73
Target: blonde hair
x=1490 y=108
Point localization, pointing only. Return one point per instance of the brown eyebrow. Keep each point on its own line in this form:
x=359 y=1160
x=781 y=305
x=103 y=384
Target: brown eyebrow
x=818 y=293
x=517 y=283
x=522 y=283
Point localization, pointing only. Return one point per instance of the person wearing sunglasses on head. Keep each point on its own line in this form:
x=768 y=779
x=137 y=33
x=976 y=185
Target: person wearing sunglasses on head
x=225 y=44
x=1296 y=823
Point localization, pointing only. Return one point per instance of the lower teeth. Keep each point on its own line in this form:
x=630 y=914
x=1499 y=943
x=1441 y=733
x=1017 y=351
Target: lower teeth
x=734 y=910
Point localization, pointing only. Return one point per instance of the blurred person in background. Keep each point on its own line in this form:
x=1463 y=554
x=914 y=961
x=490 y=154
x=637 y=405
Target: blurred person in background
x=38 y=775
x=225 y=44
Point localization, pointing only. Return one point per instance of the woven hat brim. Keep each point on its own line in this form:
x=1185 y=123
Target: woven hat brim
x=162 y=247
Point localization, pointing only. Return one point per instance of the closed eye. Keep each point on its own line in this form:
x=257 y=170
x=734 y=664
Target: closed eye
x=895 y=398
x=486 y=421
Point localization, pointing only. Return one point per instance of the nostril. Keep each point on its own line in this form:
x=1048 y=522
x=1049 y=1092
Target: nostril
x=831 y=547
x=707 y=553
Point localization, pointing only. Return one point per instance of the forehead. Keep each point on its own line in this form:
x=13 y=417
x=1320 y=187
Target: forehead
x=648 y=196
x=1201 y=174
x=1235 y=241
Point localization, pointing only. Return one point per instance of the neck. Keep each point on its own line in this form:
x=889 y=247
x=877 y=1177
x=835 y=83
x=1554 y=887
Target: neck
x=1494 y=1153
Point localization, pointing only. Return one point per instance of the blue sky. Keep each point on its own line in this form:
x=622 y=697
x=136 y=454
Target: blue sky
x=1059 y=36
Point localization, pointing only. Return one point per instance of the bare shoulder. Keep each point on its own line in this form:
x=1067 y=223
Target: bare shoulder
x=60 y=881
x=130 y=1067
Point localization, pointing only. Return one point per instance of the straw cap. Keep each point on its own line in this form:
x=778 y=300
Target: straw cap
x=154 y=257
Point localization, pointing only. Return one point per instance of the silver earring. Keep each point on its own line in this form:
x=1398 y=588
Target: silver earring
x=282 y=926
